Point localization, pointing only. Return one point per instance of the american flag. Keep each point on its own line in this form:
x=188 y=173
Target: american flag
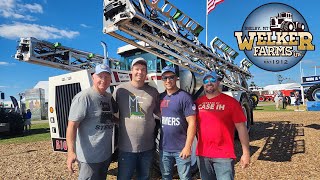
x=212 y=4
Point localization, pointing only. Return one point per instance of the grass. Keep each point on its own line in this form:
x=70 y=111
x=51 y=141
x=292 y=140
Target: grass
x=39 y=132
x=270 y=106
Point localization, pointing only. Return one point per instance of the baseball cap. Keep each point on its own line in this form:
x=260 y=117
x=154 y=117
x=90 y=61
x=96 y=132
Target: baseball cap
x=168 y=69
x=139 y=59
x=212 y=74
x=102 y=68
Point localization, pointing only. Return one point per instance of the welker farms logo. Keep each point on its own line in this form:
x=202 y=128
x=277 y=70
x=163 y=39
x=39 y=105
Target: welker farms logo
x=275 y=37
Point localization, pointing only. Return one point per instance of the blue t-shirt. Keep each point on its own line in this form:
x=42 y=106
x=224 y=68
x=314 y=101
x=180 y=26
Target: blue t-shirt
x=174 y=110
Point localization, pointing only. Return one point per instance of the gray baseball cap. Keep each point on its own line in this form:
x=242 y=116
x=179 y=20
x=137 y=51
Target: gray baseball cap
x=140 y=60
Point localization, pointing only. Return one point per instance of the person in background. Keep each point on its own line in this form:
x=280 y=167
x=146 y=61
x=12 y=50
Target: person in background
x=90 y=127
x=218 y=116
x=27 y=121
x=297 y=101
x=178 y=119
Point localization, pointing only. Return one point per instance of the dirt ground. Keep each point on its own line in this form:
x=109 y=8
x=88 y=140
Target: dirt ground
x=283 y=145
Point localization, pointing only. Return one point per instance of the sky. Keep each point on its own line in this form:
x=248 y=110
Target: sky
x=78 y=24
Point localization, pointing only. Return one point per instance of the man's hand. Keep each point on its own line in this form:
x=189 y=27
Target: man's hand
x=72 y=157
x=245 y=160
x=185 y=153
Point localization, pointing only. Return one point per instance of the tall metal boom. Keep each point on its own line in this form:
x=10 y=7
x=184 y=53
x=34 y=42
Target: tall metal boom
x=173 y=36
x=55 y=55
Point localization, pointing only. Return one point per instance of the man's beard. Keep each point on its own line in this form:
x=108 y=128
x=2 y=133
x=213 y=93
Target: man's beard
x=210 y=91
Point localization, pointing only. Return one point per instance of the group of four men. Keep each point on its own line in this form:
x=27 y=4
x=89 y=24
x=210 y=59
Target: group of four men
x=213 y=116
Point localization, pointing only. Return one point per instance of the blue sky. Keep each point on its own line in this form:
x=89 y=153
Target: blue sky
x=78 y=24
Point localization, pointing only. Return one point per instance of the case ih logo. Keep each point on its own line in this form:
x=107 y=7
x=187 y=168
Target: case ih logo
x=275 y=37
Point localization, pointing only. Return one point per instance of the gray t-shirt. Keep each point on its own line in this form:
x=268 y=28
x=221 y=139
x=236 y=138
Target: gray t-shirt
x=94 y=135
x=137 y=107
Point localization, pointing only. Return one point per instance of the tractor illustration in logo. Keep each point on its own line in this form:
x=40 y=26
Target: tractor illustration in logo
x=284 y=22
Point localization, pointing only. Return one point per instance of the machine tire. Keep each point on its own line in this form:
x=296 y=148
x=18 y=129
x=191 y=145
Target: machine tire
x=156 y=158
x=313 y=93
x=287 y=26
x=255 y=100
x=300 y=27
x=247 y=111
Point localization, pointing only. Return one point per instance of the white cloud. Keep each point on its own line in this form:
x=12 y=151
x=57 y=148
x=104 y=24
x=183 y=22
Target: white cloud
x=17 y=10
x=2 y=63
x=33 y=8
x=16 y=30
x=85 y=26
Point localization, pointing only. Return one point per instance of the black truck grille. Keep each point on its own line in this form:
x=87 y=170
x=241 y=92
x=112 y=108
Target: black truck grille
x=64 y=96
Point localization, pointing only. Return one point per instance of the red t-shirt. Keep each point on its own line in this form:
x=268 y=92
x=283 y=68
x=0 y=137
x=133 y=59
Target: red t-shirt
x=216 y=125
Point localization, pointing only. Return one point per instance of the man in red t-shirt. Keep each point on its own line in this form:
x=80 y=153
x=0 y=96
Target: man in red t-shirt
x=218 y=116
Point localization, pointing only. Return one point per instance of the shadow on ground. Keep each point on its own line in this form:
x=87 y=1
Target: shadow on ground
x=314 y=126
x=280 y=144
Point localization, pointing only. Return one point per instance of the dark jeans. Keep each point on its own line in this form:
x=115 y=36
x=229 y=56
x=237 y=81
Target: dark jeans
x=94 y=171
x=128 y=162
x=216 y=168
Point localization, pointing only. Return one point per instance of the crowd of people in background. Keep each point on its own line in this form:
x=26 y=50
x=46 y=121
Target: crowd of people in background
x=282 y=101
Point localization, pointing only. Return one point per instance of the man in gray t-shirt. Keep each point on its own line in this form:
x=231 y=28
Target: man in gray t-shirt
x=138 y=102
x=90 y=127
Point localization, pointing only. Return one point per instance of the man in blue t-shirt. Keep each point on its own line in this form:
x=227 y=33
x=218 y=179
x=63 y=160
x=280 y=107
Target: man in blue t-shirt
x=178 y=118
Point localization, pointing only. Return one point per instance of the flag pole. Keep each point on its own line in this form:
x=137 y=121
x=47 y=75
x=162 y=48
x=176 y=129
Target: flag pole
x=207 y=23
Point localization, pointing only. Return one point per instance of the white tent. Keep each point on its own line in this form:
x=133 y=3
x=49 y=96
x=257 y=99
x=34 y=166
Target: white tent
x=287 y=86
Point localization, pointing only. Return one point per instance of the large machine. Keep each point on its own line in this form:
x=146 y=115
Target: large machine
x=155 y=30
x=173 y=36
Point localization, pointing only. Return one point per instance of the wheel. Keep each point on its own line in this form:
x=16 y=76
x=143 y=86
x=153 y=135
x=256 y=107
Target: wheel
x=313 y=93
x=287 y=26
x=156 y=159
x=255 y=100
x=300 y=27
x=246 y=108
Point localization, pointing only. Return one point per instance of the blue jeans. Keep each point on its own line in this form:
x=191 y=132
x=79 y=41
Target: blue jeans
x=216 y=168
x=167 y=160
x=128 y=162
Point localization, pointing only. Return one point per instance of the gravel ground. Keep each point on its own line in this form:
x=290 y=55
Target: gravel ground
x=284 y=145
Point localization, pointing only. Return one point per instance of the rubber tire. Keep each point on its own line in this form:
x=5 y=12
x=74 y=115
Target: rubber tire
x=285 y=26
x=300 y=27
x=156 y=158
x=311 y=92
x=248 y=111
x=255 y=100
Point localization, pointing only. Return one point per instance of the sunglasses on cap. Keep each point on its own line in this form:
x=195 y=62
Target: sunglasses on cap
x=211 y=80
x=171 y=78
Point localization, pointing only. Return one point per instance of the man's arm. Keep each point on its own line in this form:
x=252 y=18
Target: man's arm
x=191 y=132
x=71 y=138
x=244 y=139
